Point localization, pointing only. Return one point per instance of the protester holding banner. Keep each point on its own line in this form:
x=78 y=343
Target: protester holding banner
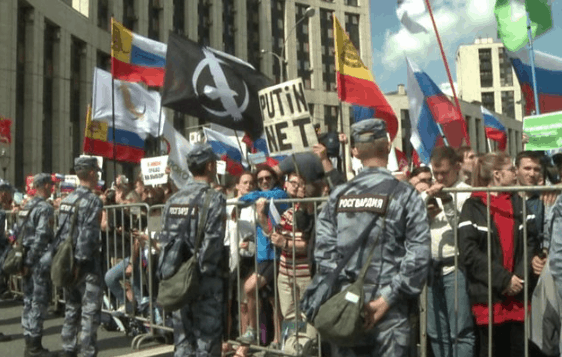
x=265 y=254
x=507 y=260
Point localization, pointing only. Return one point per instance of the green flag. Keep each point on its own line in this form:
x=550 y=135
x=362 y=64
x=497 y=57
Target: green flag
x=512 y=21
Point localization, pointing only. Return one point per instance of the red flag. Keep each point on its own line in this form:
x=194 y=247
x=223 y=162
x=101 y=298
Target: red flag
x=5 y=130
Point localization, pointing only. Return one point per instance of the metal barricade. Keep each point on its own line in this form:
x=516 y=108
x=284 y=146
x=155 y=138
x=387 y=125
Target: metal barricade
x=526 y=300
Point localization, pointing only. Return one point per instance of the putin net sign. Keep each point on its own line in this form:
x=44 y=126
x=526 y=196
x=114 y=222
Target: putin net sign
x=286 y=120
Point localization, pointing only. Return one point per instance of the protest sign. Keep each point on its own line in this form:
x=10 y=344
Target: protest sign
x=154 y=170
x=544 y=131
x=286 y=120
x=221 y=167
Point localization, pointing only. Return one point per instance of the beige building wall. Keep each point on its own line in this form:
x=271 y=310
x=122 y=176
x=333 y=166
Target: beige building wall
x=82 y=22
x=473 y=116
x=469 y=67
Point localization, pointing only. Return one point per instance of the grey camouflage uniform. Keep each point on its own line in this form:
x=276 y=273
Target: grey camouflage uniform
x=83 y=300
x=399 y=266
x=37 y=239
x=198 y=326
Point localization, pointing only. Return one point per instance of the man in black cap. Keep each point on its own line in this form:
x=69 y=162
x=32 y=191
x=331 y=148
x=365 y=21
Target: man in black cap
x=398 y=268
x=83 y=299
x=36 y=221
x=198 y=326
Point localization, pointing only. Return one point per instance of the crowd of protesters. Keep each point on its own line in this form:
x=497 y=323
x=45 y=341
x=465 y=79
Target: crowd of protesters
x=271 y=260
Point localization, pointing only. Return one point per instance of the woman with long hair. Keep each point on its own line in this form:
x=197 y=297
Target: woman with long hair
x=507 y=260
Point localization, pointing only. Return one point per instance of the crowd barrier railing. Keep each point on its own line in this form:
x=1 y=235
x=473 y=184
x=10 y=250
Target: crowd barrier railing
x=130 y=246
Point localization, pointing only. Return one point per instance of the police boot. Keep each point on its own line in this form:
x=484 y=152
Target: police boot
x=34 y=348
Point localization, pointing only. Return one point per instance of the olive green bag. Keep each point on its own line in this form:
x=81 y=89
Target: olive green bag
x=13 y=264
x=182 y=287
x=62 y=268
x=340 y=319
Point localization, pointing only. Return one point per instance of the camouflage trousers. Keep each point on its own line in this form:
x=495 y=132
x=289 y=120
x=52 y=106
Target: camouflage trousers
x=198 y=326
x=36 y=297
x=389 y=338
x=82 y=314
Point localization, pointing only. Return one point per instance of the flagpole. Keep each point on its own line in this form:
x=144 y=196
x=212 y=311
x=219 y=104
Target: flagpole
x=532 y=60
x=342 y=145
x=113 y=123
x=159 y=138
x=444 y=60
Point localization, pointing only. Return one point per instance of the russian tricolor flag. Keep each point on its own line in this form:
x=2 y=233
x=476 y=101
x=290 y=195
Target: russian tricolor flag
x=494 y=129
x=429 y=108
x=548 y=69
x=135 y=58
x=227 y=149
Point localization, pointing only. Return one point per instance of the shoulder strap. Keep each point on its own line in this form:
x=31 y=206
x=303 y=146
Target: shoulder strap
x=203 y=220
x=389 y=185
x=59 y=230
x=22 y=226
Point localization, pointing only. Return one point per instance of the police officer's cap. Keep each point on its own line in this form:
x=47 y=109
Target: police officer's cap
x=368 y=130
x=200 y=153
x=5 y=186
x=41 y=179
x=86 y=163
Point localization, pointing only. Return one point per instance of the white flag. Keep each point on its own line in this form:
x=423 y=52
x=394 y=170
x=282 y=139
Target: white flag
x=136 y=109
x=407 y=11
x=176 y=147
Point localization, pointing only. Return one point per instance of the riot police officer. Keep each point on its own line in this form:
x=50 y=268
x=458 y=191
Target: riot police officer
x=83 y=299
x=398 y=269
x=198 y=326
x=36 y=221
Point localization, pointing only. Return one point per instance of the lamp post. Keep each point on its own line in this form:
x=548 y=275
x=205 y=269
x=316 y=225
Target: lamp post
x=308 y=13
x=4 y=161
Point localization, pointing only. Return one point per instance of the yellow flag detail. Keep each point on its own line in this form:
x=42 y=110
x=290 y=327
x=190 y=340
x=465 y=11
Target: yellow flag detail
x=95 y=129
x=121 y=42
x=348 y=62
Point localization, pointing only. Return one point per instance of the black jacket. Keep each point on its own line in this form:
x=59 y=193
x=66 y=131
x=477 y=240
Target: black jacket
x=473 y=248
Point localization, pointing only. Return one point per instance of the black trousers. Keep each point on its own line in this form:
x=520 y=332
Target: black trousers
x=508 y=339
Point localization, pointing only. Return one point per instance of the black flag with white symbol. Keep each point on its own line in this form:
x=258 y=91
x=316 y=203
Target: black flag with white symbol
x=213 y=86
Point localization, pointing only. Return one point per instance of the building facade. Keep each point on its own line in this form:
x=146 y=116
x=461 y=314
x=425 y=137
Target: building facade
x=52 y=47
x=474 y=121
x=485 y=74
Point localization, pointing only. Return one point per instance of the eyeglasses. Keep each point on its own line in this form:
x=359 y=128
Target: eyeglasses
x=296 y=184
x=264 y=178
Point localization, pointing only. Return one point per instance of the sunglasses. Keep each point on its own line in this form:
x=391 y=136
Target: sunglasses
x=264 y=178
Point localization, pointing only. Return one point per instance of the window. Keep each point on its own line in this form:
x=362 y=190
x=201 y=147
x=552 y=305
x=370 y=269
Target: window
x=506 y=73
x=488 y=101
x=406 y=127
x=179 y=17
x=327 y=43
x=304 y=70
x=49 y=44
x=331 y=117
x=508 y=103
x=153 y=20
x=277 y=34
x=103 y=14
x=228 y=28
x=351 y=3
x=129 y=14
x=103 y=61
x=204 y=22
x=253 y=33
x=77 y=54
x=23 y=15
x=486 y=73
x=352 y=29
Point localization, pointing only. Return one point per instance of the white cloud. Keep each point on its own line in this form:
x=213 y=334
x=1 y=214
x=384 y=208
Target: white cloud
x=446 y=88
x=458 y=21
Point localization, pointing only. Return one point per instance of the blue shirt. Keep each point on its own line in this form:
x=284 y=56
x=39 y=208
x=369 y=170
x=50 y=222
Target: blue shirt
x=264 y=248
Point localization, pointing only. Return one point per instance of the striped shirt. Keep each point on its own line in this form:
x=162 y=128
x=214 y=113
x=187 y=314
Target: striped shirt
x=301 y=261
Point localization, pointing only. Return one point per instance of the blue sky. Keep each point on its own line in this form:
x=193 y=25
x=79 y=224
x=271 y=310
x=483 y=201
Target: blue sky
x=459 y=22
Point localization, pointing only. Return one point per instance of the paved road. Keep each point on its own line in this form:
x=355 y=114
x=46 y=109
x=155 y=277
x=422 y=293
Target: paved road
x=110 y=344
